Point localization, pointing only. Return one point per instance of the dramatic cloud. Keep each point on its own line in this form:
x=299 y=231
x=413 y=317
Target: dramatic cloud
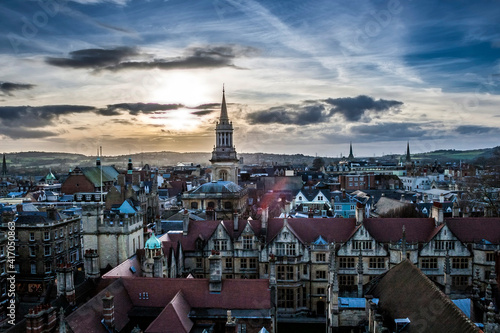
x=130 y=58
x=8 y=87
x=136 y=108
x=389 y=131
x=94 y=58
x=353 y=108
x=320 y=111
x=21 y=133
x=38 y=116
x=474 y=129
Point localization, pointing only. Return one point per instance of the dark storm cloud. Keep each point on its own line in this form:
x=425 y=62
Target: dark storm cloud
x=320 y=111
x=136 y=108
x=202 y=112
x=208 y=106
x=94 y=58
x=389 y=131
x=130 y=58
x=474 y=129
x=290 y=114
x=8 y=87
x=20 y=133
x=38 y=116
x=353 y=108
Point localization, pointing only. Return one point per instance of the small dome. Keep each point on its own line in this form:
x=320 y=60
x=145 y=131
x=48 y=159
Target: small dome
x=153 y=243
x=218 y=187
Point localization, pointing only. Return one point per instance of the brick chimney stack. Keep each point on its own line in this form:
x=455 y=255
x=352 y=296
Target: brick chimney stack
x=108 y=311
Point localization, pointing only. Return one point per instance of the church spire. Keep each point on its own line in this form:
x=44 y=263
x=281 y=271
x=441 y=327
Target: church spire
x=224 y=119
x=351 y=156
x=4 y=167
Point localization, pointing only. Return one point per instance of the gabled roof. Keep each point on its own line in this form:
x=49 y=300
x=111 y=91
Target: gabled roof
x=474 y=229
x=404 y=291
x=386 y=230
x=173 y=318
x=309 y=229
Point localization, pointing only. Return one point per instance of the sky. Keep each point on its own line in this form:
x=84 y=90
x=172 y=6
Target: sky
x=304 y=77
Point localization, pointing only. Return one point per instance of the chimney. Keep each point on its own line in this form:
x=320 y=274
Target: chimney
x=437 y=213
x=441 y=198
x=65 y=282
x=185 y=222
x=235 y=221
x=121 y=180
x=402 y=198
x=231 y=326
x=360 y=213
x=343 y=194
x=455 y=212
x=52 y=213
x=310 y=214
x=215 y=272
x=264 y=219
x=91 y=263
x=108 y=311
x=19 y=208
x=426 y=198
x=130 y=167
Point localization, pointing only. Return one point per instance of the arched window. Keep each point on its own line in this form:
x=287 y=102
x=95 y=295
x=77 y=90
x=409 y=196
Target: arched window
x=194 y=205
x=211 y=205
x=228 y=205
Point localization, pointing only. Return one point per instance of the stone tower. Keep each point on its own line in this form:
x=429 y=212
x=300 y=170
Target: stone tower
x=224 y=160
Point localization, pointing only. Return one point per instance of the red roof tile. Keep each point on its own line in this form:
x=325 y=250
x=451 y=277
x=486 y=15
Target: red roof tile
x=235 y=294
x=474 y=229
x=174 y=318
x=386 y=230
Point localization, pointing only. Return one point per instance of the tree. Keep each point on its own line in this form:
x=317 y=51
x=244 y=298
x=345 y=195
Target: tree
x=318 y=163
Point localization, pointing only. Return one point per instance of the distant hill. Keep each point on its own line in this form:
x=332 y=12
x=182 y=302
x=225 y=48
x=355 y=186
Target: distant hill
x=38 y=163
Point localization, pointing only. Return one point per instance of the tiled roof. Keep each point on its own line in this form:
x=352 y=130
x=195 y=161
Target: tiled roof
x=174 y=318
x=309 y=229
x=405 y=292
x=474 y=229
x=235 y=293
x=386 y=230
x=89 y=315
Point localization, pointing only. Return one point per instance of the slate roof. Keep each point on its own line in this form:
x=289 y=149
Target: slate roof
x=404 y=291
x=93 y=174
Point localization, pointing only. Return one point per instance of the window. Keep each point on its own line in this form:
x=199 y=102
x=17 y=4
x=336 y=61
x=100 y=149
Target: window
x=33 y=268
x=247 y=242
x=2 y=251
x=243 y=263
x=320 y=274
x=32 y=236
x=47 y=250
x=229 y=263
x=444 y=245
x=55 y=234
x=199 y=262
x=46 y=235
x=304 y=270
x=228 y=205
x=320 y=291
x=429 y=263
x=194 y=205
x=377 y=263
x=346 y=280
x=285 y=249
x=338 y=207
x=346 y=262
x=220 y=245
x=253 y=263
x=460 y=263
x=362 y=245
x=353 y=207
x=32 y=251
x=300 y=197
x=320 y=198
x=286 y=298
x=490 y=256
x=48 y=267
x=285 y=272
x=460 y=280
x=320 y=256
x=61 y=232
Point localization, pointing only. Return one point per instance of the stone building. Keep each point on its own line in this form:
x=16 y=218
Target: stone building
x=44 y=240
